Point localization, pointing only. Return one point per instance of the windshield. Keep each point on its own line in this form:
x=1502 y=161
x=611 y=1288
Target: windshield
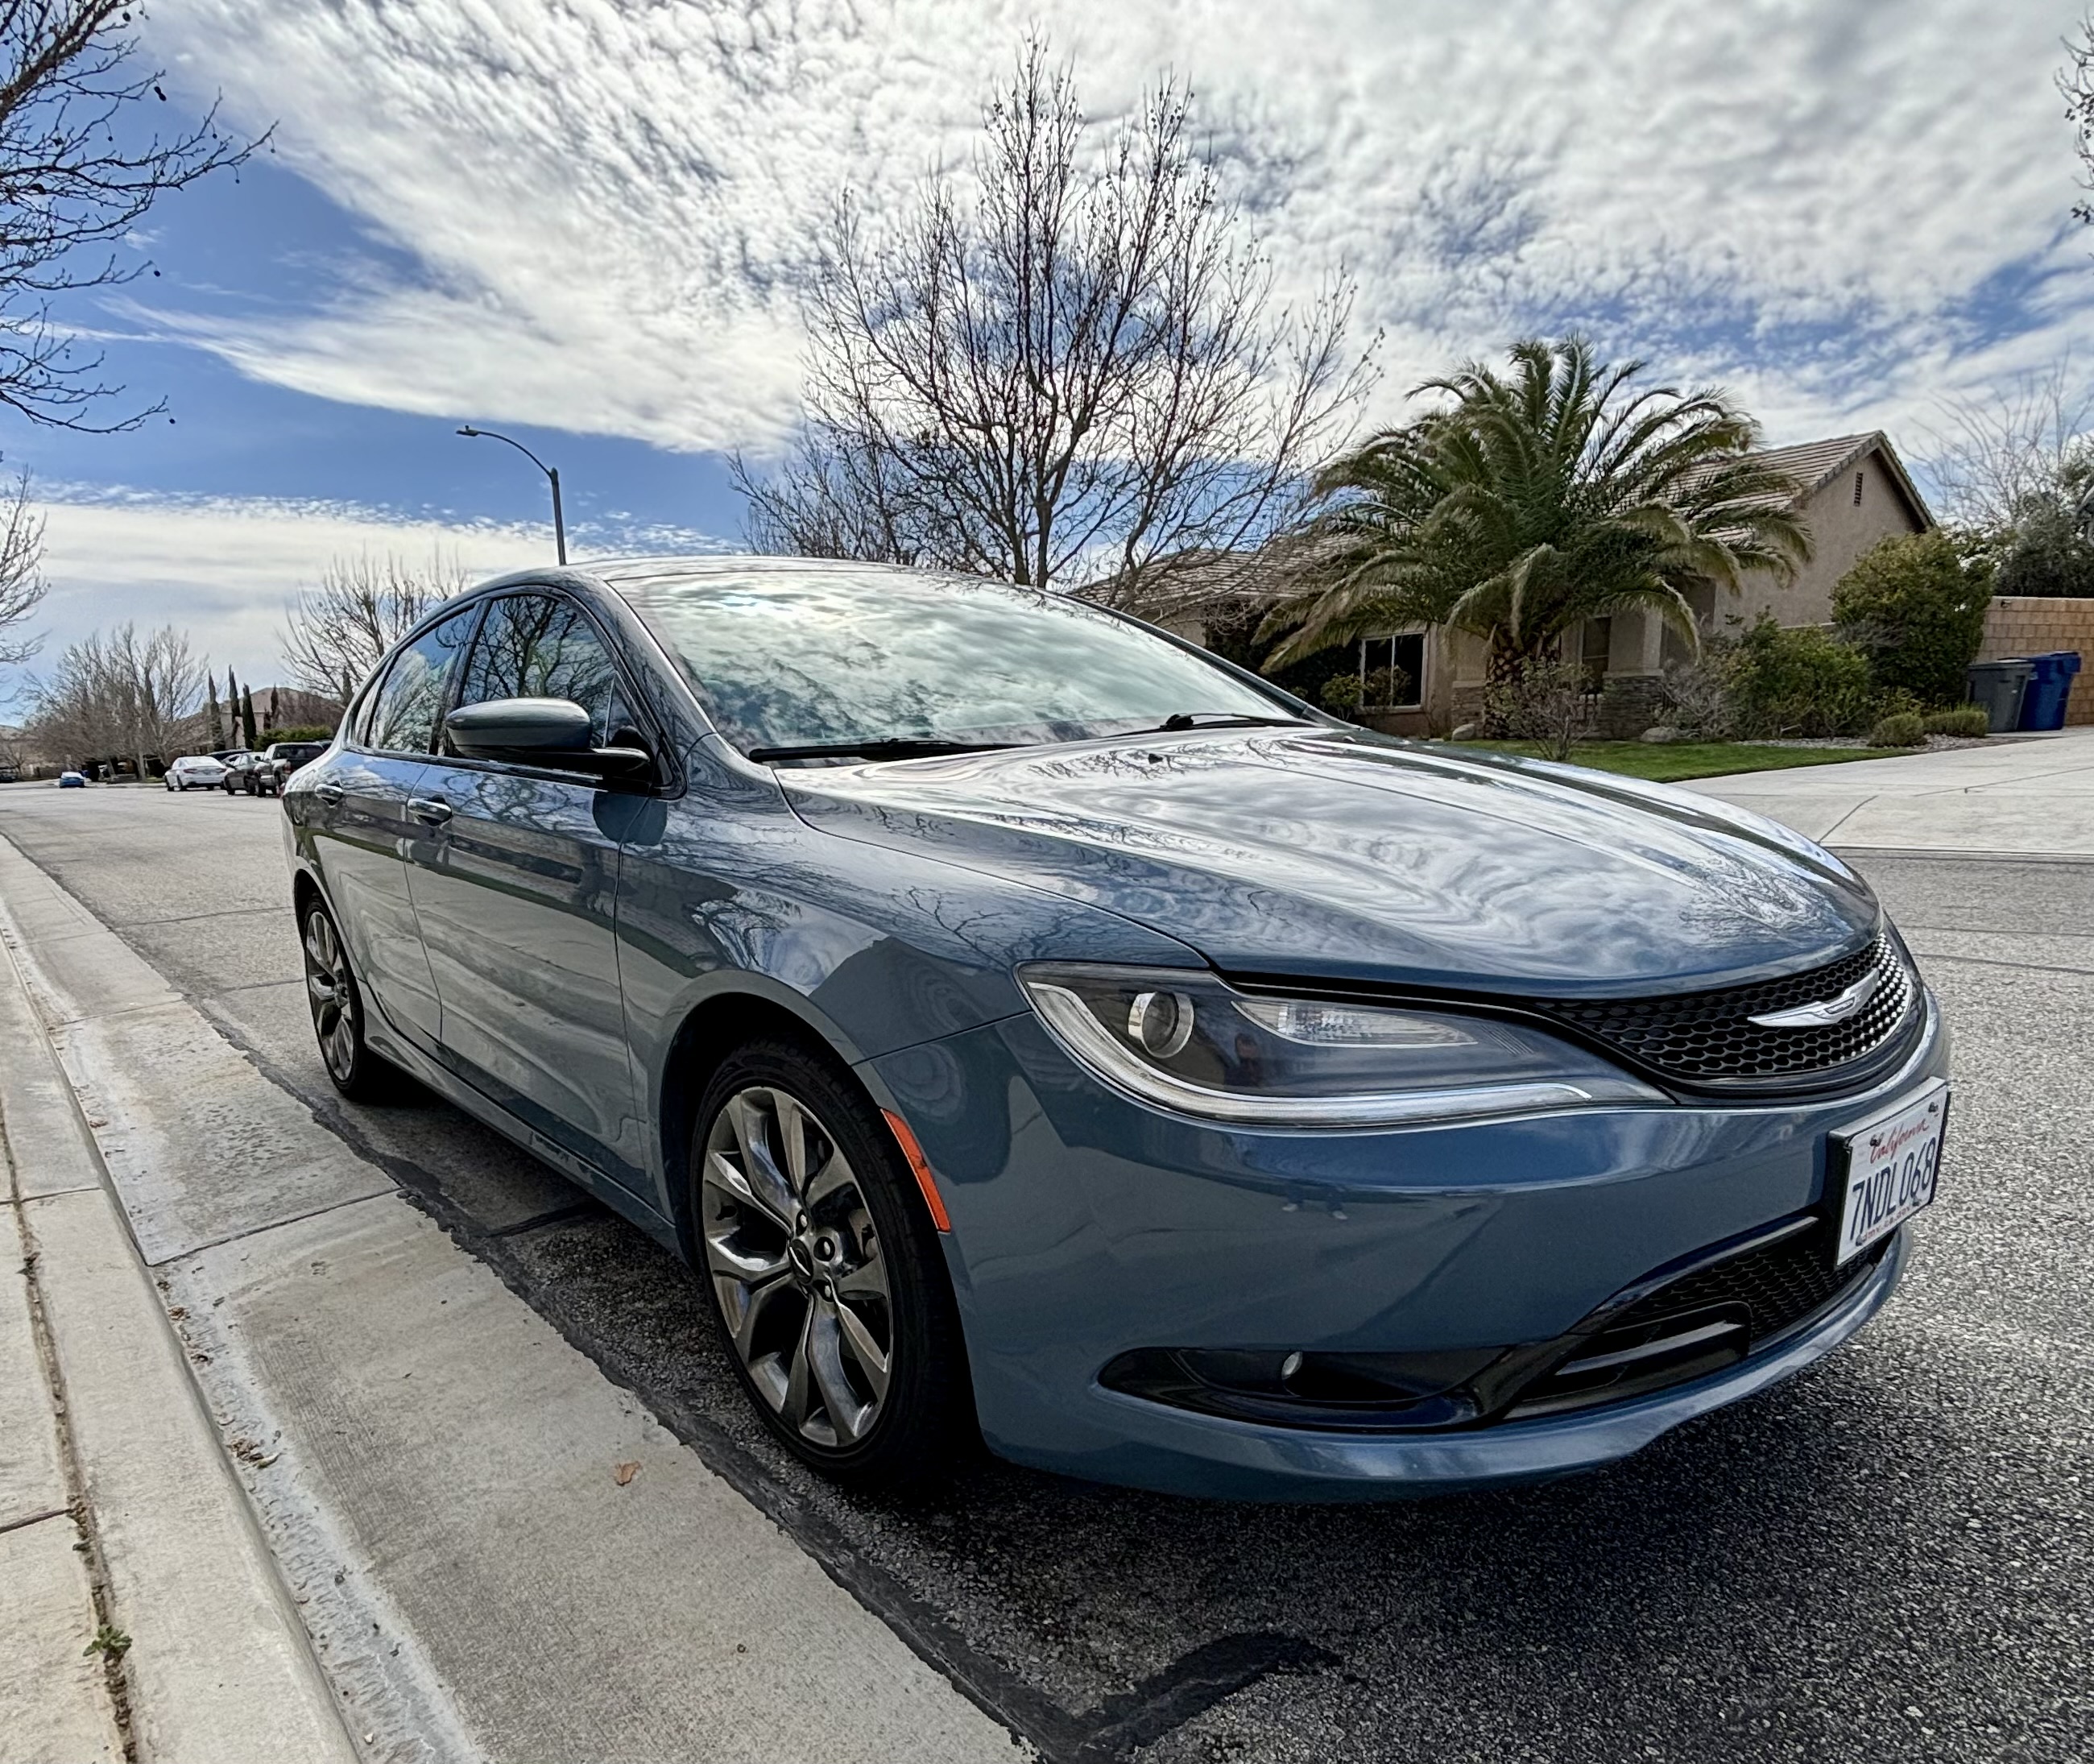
x=833 y=658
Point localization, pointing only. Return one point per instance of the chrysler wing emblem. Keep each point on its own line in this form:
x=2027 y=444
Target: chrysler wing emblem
x=1824 y=1011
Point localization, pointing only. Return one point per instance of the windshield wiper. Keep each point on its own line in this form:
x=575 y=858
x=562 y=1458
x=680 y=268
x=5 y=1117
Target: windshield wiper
x=891 y=747
x=1221 y=720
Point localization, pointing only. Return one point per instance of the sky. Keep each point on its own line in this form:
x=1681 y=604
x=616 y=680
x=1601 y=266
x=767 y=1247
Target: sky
x=590 y=223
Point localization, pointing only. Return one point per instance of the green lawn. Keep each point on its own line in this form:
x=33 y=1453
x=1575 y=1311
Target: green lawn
x=1670 y=761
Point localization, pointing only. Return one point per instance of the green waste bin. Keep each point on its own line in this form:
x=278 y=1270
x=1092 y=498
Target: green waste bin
x=1999 y=686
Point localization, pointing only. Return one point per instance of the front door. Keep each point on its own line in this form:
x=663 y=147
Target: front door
x=364 y=831
x=515 y=887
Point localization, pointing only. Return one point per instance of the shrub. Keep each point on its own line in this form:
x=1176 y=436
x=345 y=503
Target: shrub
x=1696 y=695
x=1803 y=681
x=1387 y=686
x=1965 y=719
x=314 y=731
x=1915 y=607
x=1341 y=694
x=1902 y=728
x=1544 y=703
x=2045 y=553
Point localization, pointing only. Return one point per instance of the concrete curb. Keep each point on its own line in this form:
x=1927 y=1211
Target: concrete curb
x=220 y=1670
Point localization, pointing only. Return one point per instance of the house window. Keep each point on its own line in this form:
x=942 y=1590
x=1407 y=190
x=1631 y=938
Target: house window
x=1392 y=672
x=1592 y=649
x=1857 y=489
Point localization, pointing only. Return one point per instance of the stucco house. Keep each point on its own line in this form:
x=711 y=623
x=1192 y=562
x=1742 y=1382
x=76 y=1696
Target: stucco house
x=1854 y=493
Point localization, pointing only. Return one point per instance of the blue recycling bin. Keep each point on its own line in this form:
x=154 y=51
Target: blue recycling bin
x=2050 y=684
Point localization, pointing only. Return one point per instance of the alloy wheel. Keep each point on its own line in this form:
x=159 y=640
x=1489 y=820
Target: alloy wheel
x=330 y=993
x=798 y=1266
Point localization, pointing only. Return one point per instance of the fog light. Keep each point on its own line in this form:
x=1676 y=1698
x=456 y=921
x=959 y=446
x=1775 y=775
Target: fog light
x=1289 y=1366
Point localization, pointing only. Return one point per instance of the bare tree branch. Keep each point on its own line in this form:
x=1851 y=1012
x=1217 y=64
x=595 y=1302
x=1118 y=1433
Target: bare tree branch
x=72 y=188
x=338 y=631
x=120 y=693
x=22 y=584
x=1072 y=373
x=1991 y=456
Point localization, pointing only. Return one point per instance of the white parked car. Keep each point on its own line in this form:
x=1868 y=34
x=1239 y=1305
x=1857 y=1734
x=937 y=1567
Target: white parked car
x=197 y=771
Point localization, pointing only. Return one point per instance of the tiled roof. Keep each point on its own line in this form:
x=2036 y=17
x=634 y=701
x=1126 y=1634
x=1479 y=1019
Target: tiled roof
x=1814 y=464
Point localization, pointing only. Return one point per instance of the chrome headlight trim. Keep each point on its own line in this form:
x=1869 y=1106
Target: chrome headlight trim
x=1076 y=1027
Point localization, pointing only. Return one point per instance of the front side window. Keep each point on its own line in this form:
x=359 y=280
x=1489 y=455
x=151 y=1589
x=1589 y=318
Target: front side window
x=541 y=646
x=787 y=659
x=403 y=715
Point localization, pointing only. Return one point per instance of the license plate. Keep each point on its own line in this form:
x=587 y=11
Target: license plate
x=1890 y=1164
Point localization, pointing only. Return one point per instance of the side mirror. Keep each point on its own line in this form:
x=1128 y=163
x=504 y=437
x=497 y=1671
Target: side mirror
x=552 y=733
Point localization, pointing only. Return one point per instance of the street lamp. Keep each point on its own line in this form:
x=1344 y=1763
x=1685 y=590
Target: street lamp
x=552 y=475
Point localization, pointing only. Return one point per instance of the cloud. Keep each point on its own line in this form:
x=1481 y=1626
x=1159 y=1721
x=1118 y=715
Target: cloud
x=604 y=207
x=224 y=570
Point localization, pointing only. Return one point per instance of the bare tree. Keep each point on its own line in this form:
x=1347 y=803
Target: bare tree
x=2076 y=85
x=74 y=183
x=1991 y=456
x=337 y=631
x=121 y=692
x=1067 y=369
x=21 y=572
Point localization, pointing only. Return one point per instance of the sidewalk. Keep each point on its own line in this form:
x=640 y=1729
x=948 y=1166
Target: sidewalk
x=410 y=1492
x=141 y=1606
x=2032 y=797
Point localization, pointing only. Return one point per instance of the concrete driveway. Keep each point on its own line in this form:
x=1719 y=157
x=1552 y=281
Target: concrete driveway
x=2027 y=795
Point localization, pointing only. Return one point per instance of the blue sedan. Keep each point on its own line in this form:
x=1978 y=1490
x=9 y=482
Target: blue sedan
x=1026 y=1023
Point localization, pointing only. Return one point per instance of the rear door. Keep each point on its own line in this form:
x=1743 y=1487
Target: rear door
x=516 y=893
x=365 y=825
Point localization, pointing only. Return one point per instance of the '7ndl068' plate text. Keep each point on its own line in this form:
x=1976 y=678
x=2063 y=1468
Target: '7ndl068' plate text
x=1890 y=1164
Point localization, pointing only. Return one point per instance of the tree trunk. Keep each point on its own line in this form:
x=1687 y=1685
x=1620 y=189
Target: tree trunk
x=1503 y=667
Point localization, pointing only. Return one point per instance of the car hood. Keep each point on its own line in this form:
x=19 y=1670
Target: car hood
x=1355 y=857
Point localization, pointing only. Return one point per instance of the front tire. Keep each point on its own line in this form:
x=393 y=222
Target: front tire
x=337 y=1003
x=829 y=1287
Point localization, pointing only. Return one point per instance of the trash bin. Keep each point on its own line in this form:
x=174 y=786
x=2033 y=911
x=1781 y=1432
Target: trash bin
x=2043 y=704
x=1999 y=686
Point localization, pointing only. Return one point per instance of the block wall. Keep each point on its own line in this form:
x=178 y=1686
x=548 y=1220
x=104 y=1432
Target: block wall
x=2021 y=624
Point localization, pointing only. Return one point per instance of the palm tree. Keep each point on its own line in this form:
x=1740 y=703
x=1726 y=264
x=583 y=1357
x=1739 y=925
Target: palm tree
x=1561 y=492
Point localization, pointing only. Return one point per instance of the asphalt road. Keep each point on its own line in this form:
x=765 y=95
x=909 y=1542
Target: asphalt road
x=1889 y=1557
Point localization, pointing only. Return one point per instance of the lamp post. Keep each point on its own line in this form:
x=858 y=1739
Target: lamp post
x=552 y=476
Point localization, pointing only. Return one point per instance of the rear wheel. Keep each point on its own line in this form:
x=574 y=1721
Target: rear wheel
x=338 y=1009
x=828 y=1285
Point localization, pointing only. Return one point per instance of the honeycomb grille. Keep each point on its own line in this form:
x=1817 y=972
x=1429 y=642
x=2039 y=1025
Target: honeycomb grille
x=1698 y=1323
x=1708 y=1038
x=1779 y=1285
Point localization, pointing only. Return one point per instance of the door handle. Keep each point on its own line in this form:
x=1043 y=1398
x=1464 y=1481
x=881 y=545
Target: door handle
x=329 y=793
x=429 y=811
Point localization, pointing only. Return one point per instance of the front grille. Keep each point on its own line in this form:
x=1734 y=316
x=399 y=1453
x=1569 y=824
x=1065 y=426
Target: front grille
x=1698 y=1323
x=1706 y=1038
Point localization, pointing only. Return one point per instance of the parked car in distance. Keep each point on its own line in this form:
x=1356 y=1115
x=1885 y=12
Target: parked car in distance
x=279 y=760
x=237 y=767
x=10 y=772
x=1025 y=1020
x=72 y=780
x=195 y=772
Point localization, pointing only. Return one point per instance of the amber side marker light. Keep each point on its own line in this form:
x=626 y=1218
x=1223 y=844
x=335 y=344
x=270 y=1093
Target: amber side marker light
x=918 y=1168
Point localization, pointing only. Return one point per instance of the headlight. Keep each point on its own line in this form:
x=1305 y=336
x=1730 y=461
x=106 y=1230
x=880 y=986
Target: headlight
x=1185 y=1040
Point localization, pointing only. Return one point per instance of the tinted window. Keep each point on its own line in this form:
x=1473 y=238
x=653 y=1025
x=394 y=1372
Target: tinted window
x=541 y=646
x=787 y=660
x=403 y=715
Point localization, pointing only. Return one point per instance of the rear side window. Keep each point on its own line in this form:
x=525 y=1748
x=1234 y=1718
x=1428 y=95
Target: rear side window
x=541 y=646
x=403 y=715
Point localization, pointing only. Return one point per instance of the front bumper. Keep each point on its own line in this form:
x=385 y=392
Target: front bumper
x=1086 y=1226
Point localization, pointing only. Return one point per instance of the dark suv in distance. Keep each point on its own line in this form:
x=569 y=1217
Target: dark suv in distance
x=277 y=763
